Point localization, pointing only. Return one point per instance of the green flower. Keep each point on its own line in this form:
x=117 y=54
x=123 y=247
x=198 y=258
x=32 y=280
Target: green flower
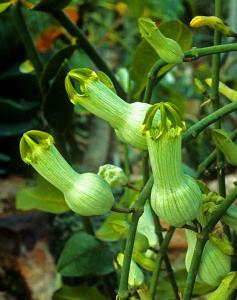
x=86 y=194
x=97 y=95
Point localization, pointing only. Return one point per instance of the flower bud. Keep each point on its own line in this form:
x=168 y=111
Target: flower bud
x=141 y=243
x=214 y=263
x=136 y=276
x=175 y=196
x=98 y=97
x=224 y=90
x=169 y=50
x=114 y=175
x=212 y=22
x=86 y=194
x=210 y=203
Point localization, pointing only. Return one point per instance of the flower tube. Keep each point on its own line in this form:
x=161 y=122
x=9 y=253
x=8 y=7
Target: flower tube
x=86 y=194
x=214 y=265
x=175 y=196
x=97 y=95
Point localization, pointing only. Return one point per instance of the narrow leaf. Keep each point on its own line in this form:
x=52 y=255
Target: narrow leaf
x=226 y=145
x=43 y=196
x=4 y=6
x=55 y=63
x=57 y=108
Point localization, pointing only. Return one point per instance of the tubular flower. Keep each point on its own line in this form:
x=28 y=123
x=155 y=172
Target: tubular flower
x=86 y=194
x=175 y=196
x=215 y=264
x=97 y=95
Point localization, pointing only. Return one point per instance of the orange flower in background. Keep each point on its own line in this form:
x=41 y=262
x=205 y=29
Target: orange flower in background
x=72 y=13
x=45 y=41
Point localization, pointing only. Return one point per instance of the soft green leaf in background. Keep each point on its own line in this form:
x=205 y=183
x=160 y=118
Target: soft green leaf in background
x=55 y=62
x=17 y=128
x=43 y=196
x=57 y=108
x=84 y=255
x=78 y=293
x=226 y=287
x=226 y=145
x=165 y=290
x=15 y=109
x=114 y=228
x=4 y=6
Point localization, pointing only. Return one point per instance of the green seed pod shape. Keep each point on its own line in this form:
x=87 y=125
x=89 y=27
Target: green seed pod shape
x=86 y=194
x=98 y=97
x=214 y=263
x=175 y=196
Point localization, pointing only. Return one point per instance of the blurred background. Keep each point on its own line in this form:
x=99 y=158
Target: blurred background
x=31 y=240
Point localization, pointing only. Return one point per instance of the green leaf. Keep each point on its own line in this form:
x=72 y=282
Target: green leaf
x=4 y=157
x=43 y=196
x=57 y=108
x=225 y=144
x=225 y=289
x=15 y=109
x=55 y=63
x=141 y=66
x=165 y=290
x=17 y=128
x=145 y=56
x=84 y=255
x=137 y=7
x=114 y=228
x=45 y=5
x=4 y=6
x=179 y=32
x=169 y=9
x=78 y=293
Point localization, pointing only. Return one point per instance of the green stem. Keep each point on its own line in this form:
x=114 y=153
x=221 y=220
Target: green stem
x=196 y=53
x=211 y=157
x=194 y=130
x=216 y=64
x=152 y=79
x=143 y=196
x=156 y=272
x=87 y=225
x=75 y=31
x=126 y=160
x=27 y=40
x=189 y=55
x=145 y=167
x=169 y=269
x=201 y=241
